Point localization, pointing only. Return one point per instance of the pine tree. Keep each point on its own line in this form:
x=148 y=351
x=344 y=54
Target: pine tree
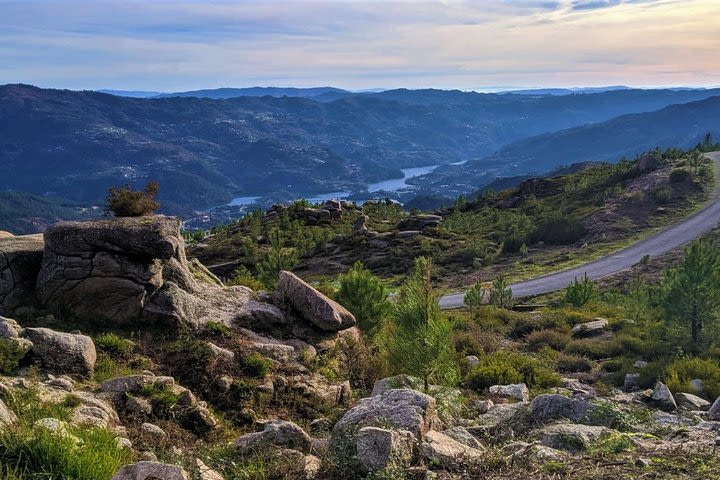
x=365 y=296
x=278 y=258
x=501 y=293
x=419 y=340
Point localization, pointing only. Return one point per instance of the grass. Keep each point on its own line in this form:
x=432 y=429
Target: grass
x=114 y=345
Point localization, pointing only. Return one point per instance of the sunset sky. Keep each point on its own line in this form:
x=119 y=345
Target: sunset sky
x=484 y=45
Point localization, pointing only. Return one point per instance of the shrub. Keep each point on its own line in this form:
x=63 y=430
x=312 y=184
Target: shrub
x=10 y=355
x=595 y=349
x=218 y=329
x=680 y=372
x=501 y=293
x=580 y=292
x=559 y=230
x=573 y=364
x=256 y=365
x=126 y=202
x=475 y=296
x=663 y=194
x=679 y=175
x=113 y=345
x=551 y=338
x=365 y=296
x=521 y=325
x=504 y=367
x=278 y=258
x=243 y=278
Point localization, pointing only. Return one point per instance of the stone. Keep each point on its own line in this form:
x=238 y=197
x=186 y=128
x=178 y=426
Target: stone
x=11 y=331
x=138 y=406
x=553 y=406
x=517 y=392
x=482 y=406
x=714 y=411
x=631 y=382
x=380 y=448
x=153 y=430
x=7 y=417
x=472 y=361
x=90 y=416
x=278 y=433
x=662 y=398
x=123 y=443
x=500 y=413
x=63 y=352
x=640 y=364
x=198 y=419
x=440 y=449
x=127 y=384
x=463 y=436
x=688 y=401
x=320 y=425
x=590 y=329
x=648 y=163
x=316 y=308
x=151 y=471
x=698 y=386
x=360 y=225
x=571 y=437
x=221 y=353
x=205 y=472
x=420 y=222
x=398 y=409
x=20 y=261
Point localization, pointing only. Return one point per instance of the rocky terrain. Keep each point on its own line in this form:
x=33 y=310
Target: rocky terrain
x=124 y=359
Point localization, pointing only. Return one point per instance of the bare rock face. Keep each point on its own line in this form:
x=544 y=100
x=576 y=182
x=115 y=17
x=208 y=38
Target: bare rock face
x=63 y=352
x=315 y=307
x=379 y=448
x=151 y=471
x=20 y=260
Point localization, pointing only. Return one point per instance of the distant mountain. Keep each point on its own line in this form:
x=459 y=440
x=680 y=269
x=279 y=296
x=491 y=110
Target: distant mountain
x=680 y=126
x=222 y=93
x=204 y=152
x=567 y=91
x=131 y=93
x=22 y=213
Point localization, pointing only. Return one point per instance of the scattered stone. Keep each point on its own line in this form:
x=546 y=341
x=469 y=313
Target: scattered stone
x=379 y=448
x=461 y=435
x=631 y=382
x=279 y=433
x=7 y=417
x=153 y=430
x=642 y=462
x=553 y=406
x=688 y=401
x=123 y=442
x=482 y=406
x=714 y=411
x=517 y=392
x=448 y=453
x=222 y=353
x=662 y=398
x=205 y=472
x=640 y=364
x=472 y=361
x=571 y=437
x=590 y=329
x=63 y=352
x=697 y=386
x=138 y=405
x=315 y=307
x=151 y=471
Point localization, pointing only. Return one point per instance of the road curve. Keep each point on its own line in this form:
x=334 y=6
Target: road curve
x=655 y=245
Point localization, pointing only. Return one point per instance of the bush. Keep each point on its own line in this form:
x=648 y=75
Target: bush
x=521 y=325
x=679 y=175
x=256 y=365
x=126 y=202
x=243 y=278
x=504 y=367
x=663 y=194
x=500 y=293
x=475 y=296
x=218 y=329
x=595 y=349
x=10 y=355
x=559 y=230
x=364 y=295
x=551 y=338
x=680 y=372
x=114 y=345
x=580 y=292
x=573 y=364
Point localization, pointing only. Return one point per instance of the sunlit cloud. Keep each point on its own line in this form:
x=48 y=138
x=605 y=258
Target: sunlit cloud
x=179 y=45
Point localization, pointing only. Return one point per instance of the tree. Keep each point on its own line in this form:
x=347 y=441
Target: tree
x=691 y=294
x=696 y=160
x=365 y=296
x=419 y=339
x=579 y=292
x=475 y=296
x=501 y=293
x=126 y=202
x=278 y=258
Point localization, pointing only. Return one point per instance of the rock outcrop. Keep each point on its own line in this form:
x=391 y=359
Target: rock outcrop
x=151 y=471
x=61 y=352
x=20 y=260
x=277 y=433
x=419 y=222
x=380 y=448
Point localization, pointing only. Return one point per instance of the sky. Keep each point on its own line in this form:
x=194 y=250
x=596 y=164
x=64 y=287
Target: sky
x=178 y=45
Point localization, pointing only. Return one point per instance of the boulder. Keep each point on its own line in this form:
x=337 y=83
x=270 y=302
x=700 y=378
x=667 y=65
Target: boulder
x=463 y=436
x=662 y=398
x=360 y=225
x=714 y=411
x=571 y=437
x=63 y=352
x=517 y=392
x=90 y=416
x=497 y=414
x=688 y=401
x=380 y=448
x=312 y=305
x=553 y=406
x=153 y=430
x=20 y=261
x=648 y=163
x=440 y=449
x=151 y=471
x=631 y=382
x=7 y=417
x=279 y=433
x=419 y=222
x=399 y=409
x=205 y=472
x=590 y=329
x=11 y=331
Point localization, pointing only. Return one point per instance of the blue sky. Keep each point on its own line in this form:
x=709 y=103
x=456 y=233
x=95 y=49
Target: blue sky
x=182 y=45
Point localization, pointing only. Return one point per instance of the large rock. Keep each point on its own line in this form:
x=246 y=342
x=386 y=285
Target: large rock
x=380 y=448
x=400 y=409
x=571 y=437
x=11 y=331
x=63 y=352
x=278 y=433
x=688 y=401
x=553 y=406
x=7 y=417
x=20 y=260
x=590 y=329
x=315 y=307
x=151 y=471
x=518 y=392
x=440 y=449
x=662 y=398
x=419 y=222
x=714 y=412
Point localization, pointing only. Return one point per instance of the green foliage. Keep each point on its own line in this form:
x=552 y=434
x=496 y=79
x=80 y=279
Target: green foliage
x=505 y=367
x=691 y=297
x=573 y=363
x=663 y=194
x=551 y=338
x=501 y=293
x=419 y=336
x=10 y=355
x=126 y=202
x=242 y=277
x=580 y=292
x=475 y=296
x=681 y=372
x=365 y=296
x=612 y=444
x=679 y=175
x=218 y=329
x=595 y=349
x=559 y=230
x=114 y=345
x=256 y=365
x=277 y=259
x=161 y=396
